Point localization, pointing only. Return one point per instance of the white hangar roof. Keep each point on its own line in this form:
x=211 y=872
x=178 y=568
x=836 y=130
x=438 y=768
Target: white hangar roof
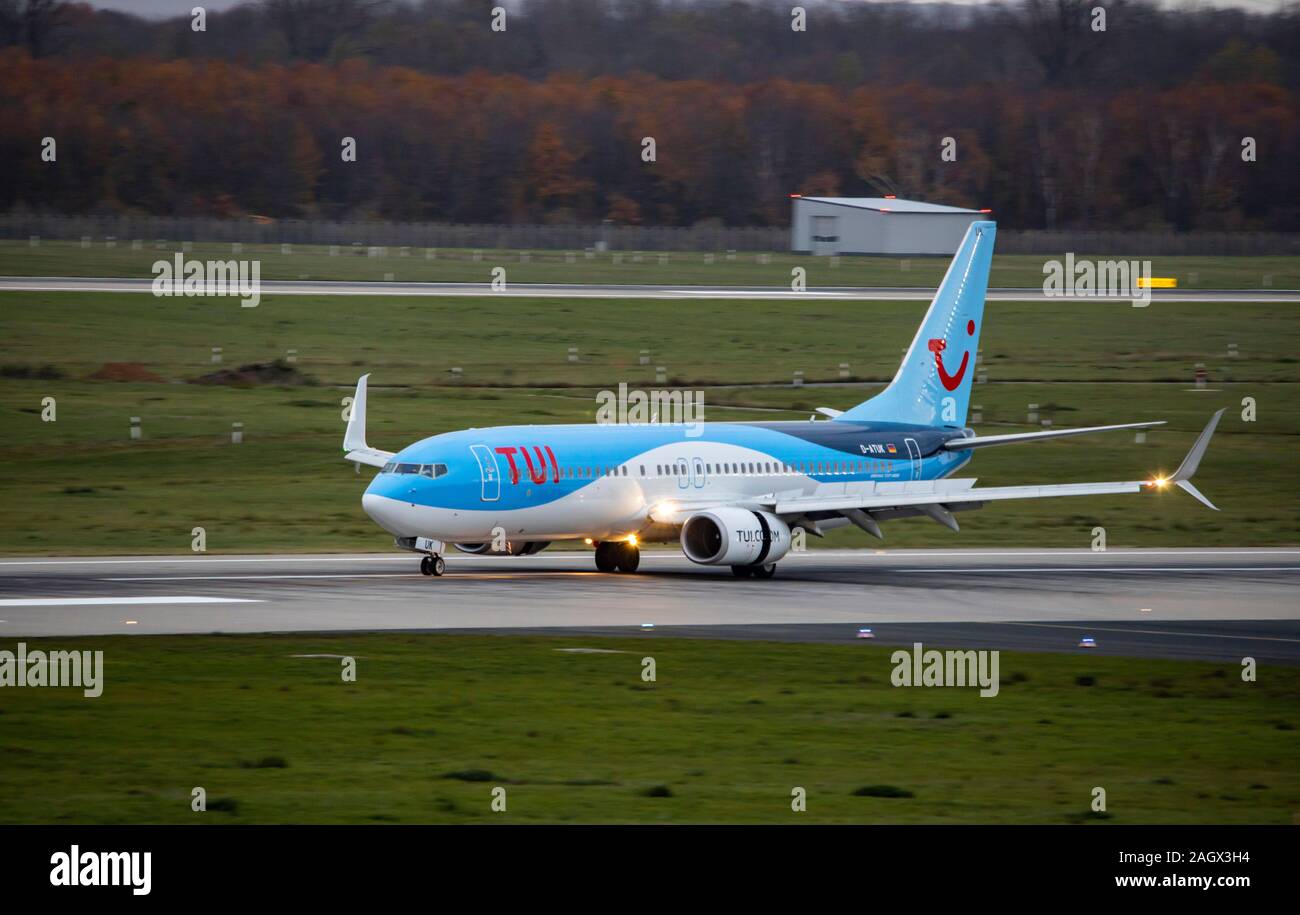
x=890 y=204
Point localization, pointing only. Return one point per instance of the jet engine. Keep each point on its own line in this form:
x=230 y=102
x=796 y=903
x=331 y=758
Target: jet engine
x=734 y=537
x=513 y=548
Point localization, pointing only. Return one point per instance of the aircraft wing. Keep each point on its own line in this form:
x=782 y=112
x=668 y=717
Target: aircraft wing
x=371 y=456
x=867 y=503
x=864 y=503
x=354 y=439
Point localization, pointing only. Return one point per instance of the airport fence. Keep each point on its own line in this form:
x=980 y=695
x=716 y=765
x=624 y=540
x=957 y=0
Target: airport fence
x=600 y=237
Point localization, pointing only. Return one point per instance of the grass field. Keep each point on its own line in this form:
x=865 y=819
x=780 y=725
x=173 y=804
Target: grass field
x=64 y=258
x=80 y=485
x=724 y=733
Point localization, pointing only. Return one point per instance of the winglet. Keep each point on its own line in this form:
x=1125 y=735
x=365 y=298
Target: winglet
x=354 y=439
x=1186 y=486
x=1193 y=460
x=1183 y=475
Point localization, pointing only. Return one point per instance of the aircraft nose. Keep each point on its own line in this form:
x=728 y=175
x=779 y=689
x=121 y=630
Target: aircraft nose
x=385 y=512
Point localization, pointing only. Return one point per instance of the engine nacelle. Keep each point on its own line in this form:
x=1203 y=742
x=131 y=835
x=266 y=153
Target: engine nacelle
x=734 y=537
x=513 y=548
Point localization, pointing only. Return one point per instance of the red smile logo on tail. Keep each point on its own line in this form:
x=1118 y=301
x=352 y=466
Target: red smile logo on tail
x=937 y=346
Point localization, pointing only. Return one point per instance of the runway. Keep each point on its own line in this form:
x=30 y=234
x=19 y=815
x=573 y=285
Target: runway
x=1218 y=604
x=568 y=291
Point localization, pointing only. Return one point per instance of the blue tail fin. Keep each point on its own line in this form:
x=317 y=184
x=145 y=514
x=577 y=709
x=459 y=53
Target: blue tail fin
x=932 y=386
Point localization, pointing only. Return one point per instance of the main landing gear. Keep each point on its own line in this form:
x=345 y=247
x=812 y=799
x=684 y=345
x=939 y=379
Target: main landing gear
x=763 y=571
x=433 y=565
x=617 y=554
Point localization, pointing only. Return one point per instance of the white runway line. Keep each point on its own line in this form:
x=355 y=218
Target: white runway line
x=1090 y=569
x=393 y=575
x=397 y=576
x=166 y=560
x=97 y=601
x=635 y=291
x=1179 y=634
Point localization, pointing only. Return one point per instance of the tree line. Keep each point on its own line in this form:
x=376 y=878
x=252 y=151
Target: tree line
x=1024 y=42
x=184 y=128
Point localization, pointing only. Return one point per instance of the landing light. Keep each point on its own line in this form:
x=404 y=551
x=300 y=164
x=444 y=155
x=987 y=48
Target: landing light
x=588 y=541
x=631 y=539
x=1161 y=482
x=659 y=509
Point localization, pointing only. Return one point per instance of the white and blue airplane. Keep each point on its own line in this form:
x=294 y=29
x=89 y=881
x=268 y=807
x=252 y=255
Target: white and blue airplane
x=732 y=494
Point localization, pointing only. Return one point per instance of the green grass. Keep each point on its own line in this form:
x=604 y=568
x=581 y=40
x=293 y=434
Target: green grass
x=514 y=342
x=435 y=722
x=79 y=485
x=68 y=258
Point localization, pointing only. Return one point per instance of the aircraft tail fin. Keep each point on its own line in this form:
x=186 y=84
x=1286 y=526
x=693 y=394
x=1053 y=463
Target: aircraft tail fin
x=933 y=384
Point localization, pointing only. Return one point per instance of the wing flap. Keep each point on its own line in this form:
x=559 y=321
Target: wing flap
x=950 y=496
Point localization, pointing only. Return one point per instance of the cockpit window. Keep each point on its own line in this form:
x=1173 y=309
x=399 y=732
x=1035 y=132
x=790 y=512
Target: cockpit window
x=433 y=471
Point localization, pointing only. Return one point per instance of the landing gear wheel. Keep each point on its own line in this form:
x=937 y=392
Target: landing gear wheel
x=629 y=557
x=764 y=571
x=426 y=565
x=606 y=556
x=439 y=565
x=742 y=571
x=433 y=565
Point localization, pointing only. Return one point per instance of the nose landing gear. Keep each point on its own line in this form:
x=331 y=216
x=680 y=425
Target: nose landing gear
x=433 y=565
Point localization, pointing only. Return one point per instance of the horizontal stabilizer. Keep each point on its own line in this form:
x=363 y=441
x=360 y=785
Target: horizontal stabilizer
x=983 y=441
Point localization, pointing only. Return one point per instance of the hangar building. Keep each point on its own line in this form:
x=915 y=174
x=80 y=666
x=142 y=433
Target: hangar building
x=876 y=225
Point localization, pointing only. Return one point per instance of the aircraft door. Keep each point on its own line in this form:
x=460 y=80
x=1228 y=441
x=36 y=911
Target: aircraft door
x=489 y=473
x=914 y=452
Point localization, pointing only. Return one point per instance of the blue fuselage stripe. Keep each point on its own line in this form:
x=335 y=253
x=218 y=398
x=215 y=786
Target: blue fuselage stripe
x=527 y=460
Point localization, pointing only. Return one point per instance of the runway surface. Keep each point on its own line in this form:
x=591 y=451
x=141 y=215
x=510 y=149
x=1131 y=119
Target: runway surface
x=1214 y=604
x=549 y=290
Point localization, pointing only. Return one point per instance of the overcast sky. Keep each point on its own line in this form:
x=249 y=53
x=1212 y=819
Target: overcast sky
x=183 y=7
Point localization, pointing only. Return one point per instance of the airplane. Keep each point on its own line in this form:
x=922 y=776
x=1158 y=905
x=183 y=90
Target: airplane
x=731 y=493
